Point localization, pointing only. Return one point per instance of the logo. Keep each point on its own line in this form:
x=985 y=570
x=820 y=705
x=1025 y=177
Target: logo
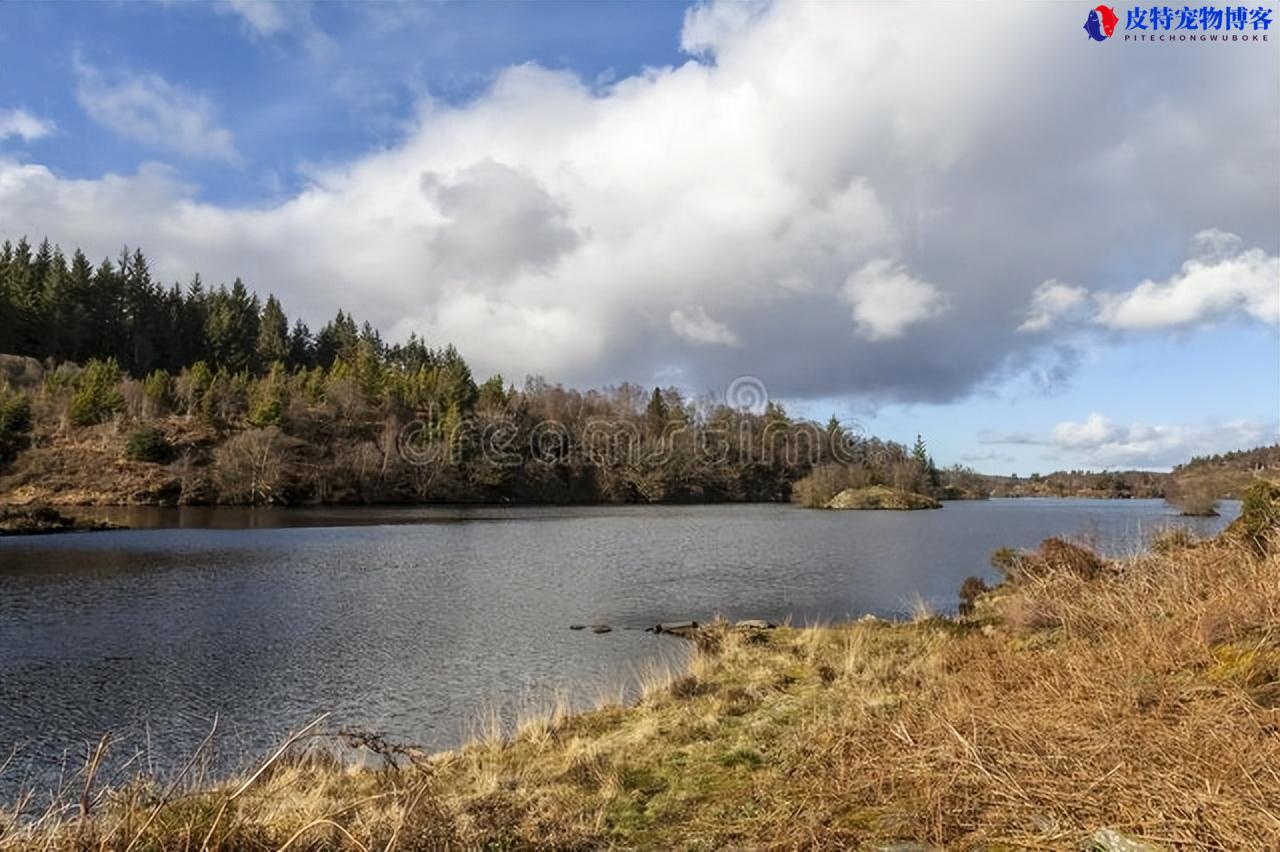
x=1101 y=23
x=1233 y=24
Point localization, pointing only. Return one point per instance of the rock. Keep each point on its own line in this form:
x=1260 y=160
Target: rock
x=755 y=624
x=21 y=370
x=577 y=627
x=683 y=629
x=601 y=628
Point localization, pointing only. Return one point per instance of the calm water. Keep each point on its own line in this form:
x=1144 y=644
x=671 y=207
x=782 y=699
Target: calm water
x=414 y=621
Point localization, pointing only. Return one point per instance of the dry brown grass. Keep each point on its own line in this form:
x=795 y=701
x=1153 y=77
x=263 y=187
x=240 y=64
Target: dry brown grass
x=1143 y=698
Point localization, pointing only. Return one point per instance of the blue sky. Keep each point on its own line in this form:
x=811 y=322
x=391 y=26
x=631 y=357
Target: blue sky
x=345 y=81
x=1038 y=251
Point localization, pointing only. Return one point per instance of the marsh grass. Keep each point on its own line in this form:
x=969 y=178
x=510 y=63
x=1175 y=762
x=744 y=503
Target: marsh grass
x=1140 y=695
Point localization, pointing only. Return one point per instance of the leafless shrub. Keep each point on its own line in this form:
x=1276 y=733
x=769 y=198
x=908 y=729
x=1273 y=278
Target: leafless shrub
x=254 y=466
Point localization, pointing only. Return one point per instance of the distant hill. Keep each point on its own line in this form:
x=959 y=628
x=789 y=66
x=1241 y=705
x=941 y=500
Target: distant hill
x=1229 y=474
x=1082 y=483
x=1226 y=475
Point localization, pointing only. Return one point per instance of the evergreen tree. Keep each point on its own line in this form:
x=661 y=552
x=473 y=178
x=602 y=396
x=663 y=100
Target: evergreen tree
x=656 y=414
x=920 y=454
x=7 y=308
x=74 y=310
x=337 y=340
x=302 y=347
x=231 y=326
x=273 y=334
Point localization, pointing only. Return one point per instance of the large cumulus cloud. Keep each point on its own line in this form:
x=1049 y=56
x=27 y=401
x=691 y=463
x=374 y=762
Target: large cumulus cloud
x=837 y=198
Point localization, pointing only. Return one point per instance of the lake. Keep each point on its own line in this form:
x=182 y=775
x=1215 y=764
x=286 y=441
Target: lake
x=418 y=622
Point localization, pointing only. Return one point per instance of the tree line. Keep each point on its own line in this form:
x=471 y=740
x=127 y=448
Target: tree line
x=217 y=398
x=52 y=308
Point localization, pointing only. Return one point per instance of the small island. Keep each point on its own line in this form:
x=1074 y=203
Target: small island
x=33 y=520
x=880 y=497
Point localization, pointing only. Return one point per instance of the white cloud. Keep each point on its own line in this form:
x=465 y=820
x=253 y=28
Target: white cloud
x=812 y=162
x=1221 y=278
x=23 y=125
x=261 y=17
x=1094 y=431
x=886 y=299
x=1053 y=301
x=272 y=19
x=696 y=327
x=1097 y=441
x=148 y=109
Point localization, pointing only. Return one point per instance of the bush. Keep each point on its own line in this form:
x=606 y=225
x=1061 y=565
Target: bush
x=1198 y=500
x=826 y=481
x=1054 y=555
x=15 y=419
x=972 y=589
x=148 y=444
x=267 y=398
x=1172 y=539
x=15 y=412
x=156 y=393
x=255 y=467
x=1006 y=560
x=1260 y=516
x=97 y=394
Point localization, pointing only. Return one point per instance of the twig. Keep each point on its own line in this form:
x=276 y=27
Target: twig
x=91 y=770
x=164 y=800
x=254 y=777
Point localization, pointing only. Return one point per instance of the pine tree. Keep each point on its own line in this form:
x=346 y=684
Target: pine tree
x=273 y=334
x=231 y=326
x=75 y=311
x=920 y=454
x=656 y=414
x=302 y=347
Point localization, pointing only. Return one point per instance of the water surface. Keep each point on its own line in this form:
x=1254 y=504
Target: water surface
x=414 y=622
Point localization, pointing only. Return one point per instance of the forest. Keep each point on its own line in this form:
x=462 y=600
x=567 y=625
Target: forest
x=204 y=394
x=199 y=394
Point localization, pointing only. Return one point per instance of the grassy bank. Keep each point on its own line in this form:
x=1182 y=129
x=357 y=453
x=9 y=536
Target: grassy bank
x=1140 y=696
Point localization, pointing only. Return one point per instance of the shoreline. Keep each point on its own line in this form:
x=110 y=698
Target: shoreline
x=1134 y=679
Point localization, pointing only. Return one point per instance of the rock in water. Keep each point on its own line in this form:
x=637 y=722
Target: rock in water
x=601 y=628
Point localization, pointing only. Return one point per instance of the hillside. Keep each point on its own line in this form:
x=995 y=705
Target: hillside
x=1227 y=475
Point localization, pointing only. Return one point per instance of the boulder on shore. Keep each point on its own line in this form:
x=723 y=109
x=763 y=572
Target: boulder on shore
x=880 y=497
x=684 y=629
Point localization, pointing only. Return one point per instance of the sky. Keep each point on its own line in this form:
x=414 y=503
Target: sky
x=967 y=221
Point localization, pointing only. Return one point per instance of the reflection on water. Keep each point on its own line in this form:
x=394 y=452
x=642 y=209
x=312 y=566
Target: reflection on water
x=417 y=621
